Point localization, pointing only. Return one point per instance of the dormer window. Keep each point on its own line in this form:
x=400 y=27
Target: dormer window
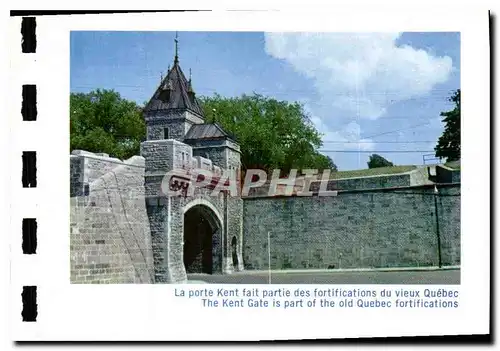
x=166 y=92
x=165 y=133
x=165 y=95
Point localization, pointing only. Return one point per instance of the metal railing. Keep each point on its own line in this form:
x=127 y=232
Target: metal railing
x=431 y=159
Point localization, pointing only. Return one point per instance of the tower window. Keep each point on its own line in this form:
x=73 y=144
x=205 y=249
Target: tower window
x=165 y=133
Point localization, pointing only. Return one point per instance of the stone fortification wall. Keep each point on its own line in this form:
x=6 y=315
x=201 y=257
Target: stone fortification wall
x=109 y=227
x=356 y=229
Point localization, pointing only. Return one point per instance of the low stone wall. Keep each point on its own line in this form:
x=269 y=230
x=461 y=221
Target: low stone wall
x=109 y=227
x=447 y=175
x=372 y=182
x=356 y=229
x=359 y=183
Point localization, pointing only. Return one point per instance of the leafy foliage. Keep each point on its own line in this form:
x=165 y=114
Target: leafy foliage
x=271 y=133
x=449 y=143
x=377 y=161
x=102 y=121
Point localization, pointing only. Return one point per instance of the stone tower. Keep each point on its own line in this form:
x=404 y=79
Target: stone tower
x=199 y=233
x=173 y=109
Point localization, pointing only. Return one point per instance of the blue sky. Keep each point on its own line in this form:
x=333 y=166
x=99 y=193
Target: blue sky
x=370 y=92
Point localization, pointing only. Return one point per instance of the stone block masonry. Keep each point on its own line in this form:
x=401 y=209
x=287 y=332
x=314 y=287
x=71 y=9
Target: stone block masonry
x=447 y=175
x=373 y=182
x=167 y=215
x=124 y=230
x=109 y=229
x=355 y=183
x=356 y=229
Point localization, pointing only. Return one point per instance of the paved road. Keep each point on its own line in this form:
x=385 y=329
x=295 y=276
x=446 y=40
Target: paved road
x=328 y=277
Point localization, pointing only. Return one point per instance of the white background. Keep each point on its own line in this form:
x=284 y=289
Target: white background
x=114 y=312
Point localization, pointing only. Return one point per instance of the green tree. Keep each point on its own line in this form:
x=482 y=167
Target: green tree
x=325 y=162
x=377 y=161
x=102 y=121
x=448 y=145
x=271 y=133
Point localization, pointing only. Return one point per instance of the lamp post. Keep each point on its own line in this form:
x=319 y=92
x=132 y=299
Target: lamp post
x=269 y=254
x=436 y=194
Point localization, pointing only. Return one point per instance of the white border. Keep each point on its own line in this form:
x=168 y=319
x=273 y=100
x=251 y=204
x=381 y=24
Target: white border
x=114 y=312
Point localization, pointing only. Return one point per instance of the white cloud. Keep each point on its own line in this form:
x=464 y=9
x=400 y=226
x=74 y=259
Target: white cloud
x=348 y=138
x=360 y=74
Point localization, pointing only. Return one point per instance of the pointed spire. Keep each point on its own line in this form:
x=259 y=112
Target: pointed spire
x=190 y=86
x=176 y=40
x=190 y=90
x=175 y=91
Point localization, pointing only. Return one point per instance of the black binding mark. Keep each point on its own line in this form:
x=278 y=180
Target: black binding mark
x=29 y=236
x=29 y=169
x=28 y=31
x=29 y=110
x=30 y=307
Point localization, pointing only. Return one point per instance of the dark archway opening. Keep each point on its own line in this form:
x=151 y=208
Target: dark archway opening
x=234 y=252
x=201 y=242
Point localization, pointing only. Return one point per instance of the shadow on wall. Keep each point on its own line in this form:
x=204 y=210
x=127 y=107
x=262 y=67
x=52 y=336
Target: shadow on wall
x=109 y=231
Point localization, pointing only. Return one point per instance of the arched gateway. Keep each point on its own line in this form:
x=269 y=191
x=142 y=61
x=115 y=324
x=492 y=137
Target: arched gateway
x=191 y=232
x=202 y=239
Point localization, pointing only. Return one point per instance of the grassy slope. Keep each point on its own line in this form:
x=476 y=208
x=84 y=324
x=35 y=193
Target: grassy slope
x=371 y=172
x=453 y=164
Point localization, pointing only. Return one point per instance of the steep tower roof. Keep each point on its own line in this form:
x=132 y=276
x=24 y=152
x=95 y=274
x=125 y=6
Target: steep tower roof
x=174 y=92
x=206 y=131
